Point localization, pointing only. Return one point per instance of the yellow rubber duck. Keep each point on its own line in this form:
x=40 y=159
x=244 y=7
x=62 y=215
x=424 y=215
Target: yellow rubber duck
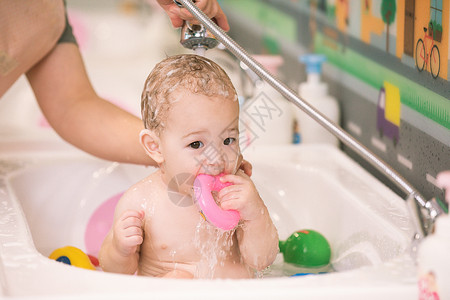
x=72 y=256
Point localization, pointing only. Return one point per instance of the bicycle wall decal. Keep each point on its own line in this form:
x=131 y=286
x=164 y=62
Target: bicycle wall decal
x=427 y=53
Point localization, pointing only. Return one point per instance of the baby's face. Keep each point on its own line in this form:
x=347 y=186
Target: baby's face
x=201 y=135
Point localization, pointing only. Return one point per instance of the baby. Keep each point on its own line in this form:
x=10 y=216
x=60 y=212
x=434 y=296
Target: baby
x=191 y=115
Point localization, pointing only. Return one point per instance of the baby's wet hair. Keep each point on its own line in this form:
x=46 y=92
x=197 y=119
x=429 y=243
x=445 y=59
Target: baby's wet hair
x=196 y=74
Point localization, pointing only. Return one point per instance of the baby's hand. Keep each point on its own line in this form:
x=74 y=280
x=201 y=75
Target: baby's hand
x=241 y=196
x=128 y=232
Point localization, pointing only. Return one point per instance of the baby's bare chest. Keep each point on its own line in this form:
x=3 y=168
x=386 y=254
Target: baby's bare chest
x=182 y=235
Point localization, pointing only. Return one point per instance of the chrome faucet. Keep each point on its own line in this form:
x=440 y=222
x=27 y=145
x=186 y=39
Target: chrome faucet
x=196 y=36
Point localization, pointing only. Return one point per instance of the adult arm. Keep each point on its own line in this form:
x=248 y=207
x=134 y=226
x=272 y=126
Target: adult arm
x=72 y=107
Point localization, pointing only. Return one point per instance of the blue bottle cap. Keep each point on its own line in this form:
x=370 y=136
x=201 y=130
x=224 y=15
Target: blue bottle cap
x=313 y=62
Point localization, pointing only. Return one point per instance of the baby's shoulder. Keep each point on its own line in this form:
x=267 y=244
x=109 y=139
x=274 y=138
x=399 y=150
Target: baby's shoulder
x=141 y=193
x=150 y=185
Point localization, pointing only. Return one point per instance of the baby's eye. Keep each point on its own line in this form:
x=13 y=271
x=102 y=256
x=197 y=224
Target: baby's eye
x=196 y=145
x=229 y=141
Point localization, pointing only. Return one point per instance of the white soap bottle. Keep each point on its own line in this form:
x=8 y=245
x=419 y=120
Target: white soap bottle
x=315 y=93
x=267 y=115
x=433 y=260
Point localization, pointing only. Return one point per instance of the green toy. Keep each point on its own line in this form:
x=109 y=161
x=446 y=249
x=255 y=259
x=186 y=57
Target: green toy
x=306 y=248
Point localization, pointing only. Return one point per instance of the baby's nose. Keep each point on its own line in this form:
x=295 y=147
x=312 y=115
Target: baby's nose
x=215 y=160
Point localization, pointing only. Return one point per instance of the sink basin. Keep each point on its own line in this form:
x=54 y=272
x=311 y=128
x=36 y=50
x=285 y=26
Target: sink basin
x=48 y=199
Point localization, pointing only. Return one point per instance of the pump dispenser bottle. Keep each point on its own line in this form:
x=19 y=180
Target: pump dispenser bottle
x=434 y=264
x=315 y=93
x=434 y=253
x=267 y=115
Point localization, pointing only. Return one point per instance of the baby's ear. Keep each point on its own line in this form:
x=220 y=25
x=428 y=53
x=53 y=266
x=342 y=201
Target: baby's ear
x=151 y=143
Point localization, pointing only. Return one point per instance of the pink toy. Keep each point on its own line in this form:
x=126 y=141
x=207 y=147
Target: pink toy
x=79 y=28
x=99 y=224
x=203 y=186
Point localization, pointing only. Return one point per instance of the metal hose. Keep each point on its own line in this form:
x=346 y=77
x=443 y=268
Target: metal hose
x=425 y=219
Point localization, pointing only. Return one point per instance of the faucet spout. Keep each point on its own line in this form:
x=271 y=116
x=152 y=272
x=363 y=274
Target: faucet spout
x=424 y=213
x=196 y=36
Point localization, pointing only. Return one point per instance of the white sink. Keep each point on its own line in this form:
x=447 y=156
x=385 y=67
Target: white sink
x=48 y=198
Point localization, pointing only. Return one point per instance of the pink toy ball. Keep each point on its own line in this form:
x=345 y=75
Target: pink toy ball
x=43 y=123
x=203 y=186
x=99 y=225
x=79 y=28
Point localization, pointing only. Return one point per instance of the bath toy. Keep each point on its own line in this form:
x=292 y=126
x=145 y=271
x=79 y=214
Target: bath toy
x=203 y=186
x=72 y=256
x=99 y=224
x=305 y=274
x=94 y=260
x=306 y=248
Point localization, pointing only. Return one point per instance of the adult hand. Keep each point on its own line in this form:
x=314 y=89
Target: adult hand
x=443 y=181
x=210 y=7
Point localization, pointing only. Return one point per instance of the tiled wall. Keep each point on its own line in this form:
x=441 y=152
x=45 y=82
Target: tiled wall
x=367 y=54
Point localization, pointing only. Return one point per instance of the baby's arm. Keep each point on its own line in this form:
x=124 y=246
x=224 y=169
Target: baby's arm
x=120 y=249
x=257 y=237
